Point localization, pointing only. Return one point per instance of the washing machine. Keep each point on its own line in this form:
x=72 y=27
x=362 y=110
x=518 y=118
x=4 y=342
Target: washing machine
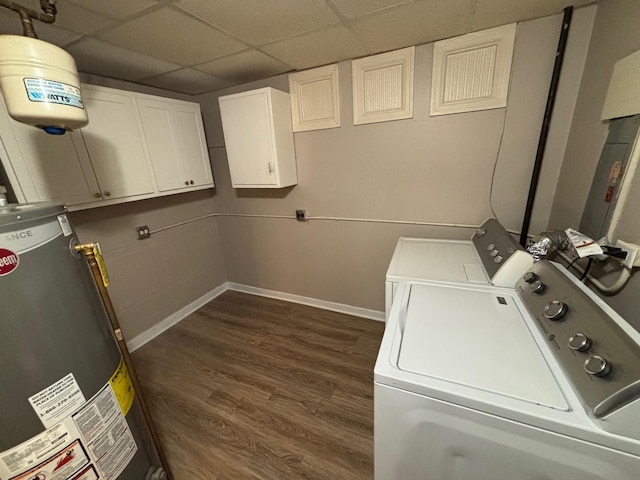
x=483 y=383
x=490 y=257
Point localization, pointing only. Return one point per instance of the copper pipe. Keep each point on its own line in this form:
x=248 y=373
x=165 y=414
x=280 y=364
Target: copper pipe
x=87 y=250
x=26 y=14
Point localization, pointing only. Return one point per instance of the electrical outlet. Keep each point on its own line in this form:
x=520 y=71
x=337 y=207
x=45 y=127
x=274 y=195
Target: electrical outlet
x=143 y=232
x=633 y=259
x=301 y=215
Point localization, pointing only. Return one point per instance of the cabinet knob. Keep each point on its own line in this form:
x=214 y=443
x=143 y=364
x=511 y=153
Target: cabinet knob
x=191 y=182
x=186 y=182
x=107 y=194
x=97 y=195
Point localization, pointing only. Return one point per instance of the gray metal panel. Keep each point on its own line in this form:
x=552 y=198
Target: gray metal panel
x=53 y=323
x=604 y=191
x=492 y=234
x=600 y=395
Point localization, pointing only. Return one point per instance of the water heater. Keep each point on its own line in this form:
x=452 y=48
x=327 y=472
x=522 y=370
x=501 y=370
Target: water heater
x=40 y=84
x=68 y=409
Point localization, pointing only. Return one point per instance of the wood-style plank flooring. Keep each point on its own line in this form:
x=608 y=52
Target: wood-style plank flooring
x=254 y=388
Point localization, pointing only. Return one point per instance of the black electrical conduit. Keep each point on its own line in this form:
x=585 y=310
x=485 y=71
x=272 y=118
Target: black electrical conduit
x=544 y=132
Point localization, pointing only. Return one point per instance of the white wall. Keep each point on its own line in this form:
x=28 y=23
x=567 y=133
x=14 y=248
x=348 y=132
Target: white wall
x=427 y=169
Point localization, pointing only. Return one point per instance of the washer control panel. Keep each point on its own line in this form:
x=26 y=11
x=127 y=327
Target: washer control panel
x=496 y=246
x=599 y=357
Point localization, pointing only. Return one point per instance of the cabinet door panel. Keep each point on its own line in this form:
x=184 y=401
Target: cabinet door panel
x=114 y=142
x=160 y=136
x=48 y=167
x=248 y=139
x=193 y=146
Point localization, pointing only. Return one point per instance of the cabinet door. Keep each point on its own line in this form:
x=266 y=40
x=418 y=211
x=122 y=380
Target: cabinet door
x=114 y=142
x=45 y=167
x=248 y=137
x=193 y=146
x=161 y=138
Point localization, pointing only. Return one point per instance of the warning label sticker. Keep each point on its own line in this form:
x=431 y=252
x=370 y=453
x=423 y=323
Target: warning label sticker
x=57 y=401
x=88 y=473
x=64 y=225
x=61 y=466
x=22 y=458
x=93 y=441
x=106 y=433
x=122 y=387
x=50 y=91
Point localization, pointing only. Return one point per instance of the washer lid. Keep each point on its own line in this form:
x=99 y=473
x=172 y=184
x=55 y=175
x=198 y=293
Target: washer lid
x=441 y=260
x=476 y=338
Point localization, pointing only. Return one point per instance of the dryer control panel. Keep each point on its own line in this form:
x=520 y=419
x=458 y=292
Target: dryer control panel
x=502 y=257
x=596 y=348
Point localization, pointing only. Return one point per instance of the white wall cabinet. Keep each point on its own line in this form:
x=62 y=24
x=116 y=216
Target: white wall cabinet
x=259 y=138
x=135 y=147
x=174 y=135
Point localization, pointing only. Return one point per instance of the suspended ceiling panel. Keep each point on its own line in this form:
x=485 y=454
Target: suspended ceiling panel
x=236 y=41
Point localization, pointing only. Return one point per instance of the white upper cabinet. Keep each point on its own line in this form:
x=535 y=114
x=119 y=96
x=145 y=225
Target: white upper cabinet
x=115 y=143
x=259 y=138
x=174 y=135
x=135 y=147
x=46 y=167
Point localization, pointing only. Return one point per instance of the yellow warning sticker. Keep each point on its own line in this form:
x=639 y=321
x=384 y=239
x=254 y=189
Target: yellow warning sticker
x=97 y=252
x=121 y=384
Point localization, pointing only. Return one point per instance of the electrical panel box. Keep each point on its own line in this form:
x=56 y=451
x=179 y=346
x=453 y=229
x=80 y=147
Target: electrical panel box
x=603 y=195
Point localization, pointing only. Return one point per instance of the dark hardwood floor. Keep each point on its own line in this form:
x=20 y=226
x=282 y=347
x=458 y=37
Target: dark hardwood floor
x=254 y=388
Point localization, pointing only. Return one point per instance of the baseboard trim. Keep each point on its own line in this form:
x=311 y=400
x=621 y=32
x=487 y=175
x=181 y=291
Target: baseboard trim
x=148 y=335
x=312 y=302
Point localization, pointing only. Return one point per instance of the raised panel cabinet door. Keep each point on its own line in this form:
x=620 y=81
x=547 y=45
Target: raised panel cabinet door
x=162 y=142
x=193 y=145
x=114 y=140
x=249 y=140
x=45 y=167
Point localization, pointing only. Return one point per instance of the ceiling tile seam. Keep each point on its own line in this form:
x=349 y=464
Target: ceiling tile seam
x=119 y=23
x=258 y=45
x=196 y=65
x=210 y=25
x=345 y=22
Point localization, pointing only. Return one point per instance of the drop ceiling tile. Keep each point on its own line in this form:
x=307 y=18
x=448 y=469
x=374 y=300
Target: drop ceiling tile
x=101 y=58
x=258 y=21
x=317 y=48
x=114 y=8
x=244 y=67
x=357 y=8
x=173 y=36
x=490 y=13
x=188 y=81
x=10 y=24
x=81 y=20
x=414 y=23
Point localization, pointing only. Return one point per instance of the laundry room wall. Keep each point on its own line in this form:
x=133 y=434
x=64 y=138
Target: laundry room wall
x=425 y=169
x=154 y=278
x=615 y=35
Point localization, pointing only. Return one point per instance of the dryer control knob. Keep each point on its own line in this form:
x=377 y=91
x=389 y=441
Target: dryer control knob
x=580 y=342
x=537 y=287
x=530 y=277
x=493 y=252
x=555 y=310
x=597 y=366
x=491 y=246
x=480 y=232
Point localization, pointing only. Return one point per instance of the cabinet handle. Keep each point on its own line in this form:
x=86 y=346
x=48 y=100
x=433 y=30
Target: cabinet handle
x=186 y=182
x=191 y=182
x=270 y=169
x=97 y=195
x=107 y=194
